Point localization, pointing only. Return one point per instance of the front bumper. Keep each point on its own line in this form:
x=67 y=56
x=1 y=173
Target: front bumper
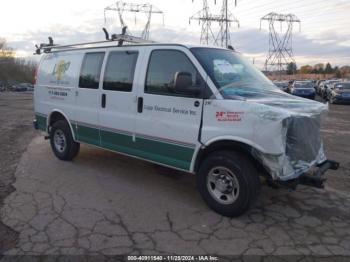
x=315 y=178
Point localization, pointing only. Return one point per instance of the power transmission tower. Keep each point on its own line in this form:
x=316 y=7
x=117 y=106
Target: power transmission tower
x=120 y=7
x=224 y=19
x=280 y=41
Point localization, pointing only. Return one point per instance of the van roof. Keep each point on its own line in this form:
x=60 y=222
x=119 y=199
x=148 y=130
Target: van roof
x=119 y=40
x=100 y=46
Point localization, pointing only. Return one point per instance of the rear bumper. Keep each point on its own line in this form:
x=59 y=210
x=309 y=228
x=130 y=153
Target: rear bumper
x=309 y=96
x=341 y=99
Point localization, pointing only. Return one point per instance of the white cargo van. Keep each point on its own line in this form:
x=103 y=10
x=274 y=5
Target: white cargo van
x=203 y=110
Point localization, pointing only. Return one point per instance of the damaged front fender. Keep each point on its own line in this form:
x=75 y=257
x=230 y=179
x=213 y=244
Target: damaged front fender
x=291 y=127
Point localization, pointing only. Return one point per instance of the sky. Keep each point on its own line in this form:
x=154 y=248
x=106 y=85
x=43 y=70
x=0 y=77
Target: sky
x=324 y=35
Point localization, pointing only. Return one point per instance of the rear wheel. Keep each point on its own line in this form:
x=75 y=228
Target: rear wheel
x=61 y=140
x=228 y=182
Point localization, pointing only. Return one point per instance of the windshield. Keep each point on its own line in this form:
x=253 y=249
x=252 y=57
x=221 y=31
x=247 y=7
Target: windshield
x=279 y=84
x=332 y=82
x=342 y=86
x=303 y=85
x=233 y=75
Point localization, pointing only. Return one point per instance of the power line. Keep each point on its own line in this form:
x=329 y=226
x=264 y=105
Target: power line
x=286 y=5
x=122 y=7
x=280 y=43
x=259 y=8
x=224 y=20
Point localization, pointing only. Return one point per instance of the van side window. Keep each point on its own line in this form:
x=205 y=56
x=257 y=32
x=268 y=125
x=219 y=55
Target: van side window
x=162 y=68
x=119 y=73
x=91 y=70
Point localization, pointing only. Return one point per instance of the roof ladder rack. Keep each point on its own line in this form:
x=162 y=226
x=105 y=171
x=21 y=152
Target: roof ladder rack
x=120 y=38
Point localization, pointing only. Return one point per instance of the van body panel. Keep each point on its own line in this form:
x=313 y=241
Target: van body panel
x=168 y=128
x=56 y=85
x=117 y=118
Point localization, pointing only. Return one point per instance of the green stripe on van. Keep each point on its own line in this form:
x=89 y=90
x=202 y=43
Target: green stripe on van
x=157 y=151
x=165 y=153
x=88 y=135
x=162 y=152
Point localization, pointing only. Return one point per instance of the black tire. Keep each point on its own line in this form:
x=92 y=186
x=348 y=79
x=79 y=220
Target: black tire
x=246 y=177
x=70 y=148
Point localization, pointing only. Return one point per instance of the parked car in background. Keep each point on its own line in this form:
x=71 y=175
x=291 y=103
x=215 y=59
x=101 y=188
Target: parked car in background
x=326 y=85
x=22 y=87
x=18 y=88
x=303 y=89
x=314 y=82
x=339 y=93
x=30 y=87
x=318 y=85
x=283 y=85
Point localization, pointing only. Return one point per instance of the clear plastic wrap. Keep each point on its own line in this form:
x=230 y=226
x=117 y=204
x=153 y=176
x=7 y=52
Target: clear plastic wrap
x=286 y=128
x=300 y=121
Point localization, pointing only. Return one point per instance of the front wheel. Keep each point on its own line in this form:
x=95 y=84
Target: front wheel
x=228 y=182
x=62 y=143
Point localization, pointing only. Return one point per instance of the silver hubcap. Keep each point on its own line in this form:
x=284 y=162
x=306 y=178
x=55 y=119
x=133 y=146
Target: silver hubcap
x=59 y=140
x=223 y=185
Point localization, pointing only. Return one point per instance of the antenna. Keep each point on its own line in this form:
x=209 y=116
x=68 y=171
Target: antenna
x=280 y=43
x=224 y=19
x=121 y=7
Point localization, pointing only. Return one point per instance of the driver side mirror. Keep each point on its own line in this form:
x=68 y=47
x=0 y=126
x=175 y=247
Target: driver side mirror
x=183 y=84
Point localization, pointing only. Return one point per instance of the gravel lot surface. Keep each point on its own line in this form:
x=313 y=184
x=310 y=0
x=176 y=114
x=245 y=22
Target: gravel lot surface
x=104 y=203
x=16 y=115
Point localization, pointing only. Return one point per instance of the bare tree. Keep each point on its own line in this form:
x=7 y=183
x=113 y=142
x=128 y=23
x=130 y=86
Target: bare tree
x=14 y=69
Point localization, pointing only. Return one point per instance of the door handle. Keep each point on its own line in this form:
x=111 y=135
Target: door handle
x=139 y=104
x=196 y=103
x=103 y=101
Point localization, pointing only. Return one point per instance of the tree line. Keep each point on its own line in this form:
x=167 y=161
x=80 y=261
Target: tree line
x=12 y=69
x=322 y=69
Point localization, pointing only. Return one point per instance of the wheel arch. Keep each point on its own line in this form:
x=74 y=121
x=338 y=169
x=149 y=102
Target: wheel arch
x=229 y=144
x=56 y=115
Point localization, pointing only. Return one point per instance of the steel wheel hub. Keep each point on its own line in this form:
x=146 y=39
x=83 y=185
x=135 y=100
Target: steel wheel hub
x=223 y=185
x=59 y=140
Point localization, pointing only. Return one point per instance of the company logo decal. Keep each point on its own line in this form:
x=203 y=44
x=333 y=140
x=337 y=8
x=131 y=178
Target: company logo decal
x=229 y=116
x=60 y=69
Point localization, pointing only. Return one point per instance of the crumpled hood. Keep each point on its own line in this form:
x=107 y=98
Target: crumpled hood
x=278 y=99
x=291 y=105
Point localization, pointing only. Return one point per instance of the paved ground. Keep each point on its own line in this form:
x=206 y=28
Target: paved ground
x=104 y=203
x=16 y=114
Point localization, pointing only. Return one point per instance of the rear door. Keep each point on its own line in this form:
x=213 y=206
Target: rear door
x=56 y=85
x=118 y=108
x=88 y=99
x=168 y=124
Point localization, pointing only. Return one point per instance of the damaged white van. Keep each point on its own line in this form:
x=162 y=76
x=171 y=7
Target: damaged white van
x=202 y=110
